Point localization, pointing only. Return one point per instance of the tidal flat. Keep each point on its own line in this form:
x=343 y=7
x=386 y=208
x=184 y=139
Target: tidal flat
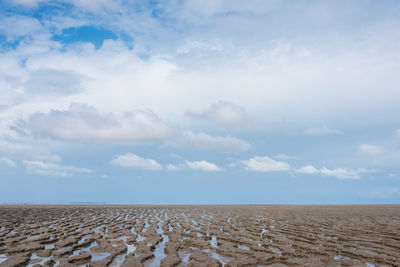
x=209 y=235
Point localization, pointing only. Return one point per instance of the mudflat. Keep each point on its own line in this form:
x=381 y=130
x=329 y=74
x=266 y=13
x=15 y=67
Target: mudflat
x=259 y=235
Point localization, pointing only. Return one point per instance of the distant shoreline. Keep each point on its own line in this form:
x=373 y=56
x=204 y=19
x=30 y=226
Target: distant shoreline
x=100 y=204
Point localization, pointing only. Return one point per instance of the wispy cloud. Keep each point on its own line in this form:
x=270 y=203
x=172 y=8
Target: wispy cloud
x=172 y=167
x=53 y=169
x=339 y=173
x=131 y=160
x=370 y=150
x=8 y=162
x=265 y=164
x=203 y=166
x=309 y=169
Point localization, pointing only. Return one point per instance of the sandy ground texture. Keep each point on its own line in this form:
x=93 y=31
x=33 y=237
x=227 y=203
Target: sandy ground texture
x=199 y=235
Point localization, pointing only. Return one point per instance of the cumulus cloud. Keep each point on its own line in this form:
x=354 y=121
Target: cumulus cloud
x=131 y=160
x=224 y=113
x=309 y=169
x=370 y=150
x=203 y=165
x=53 y=169
x=7 y=162
x=322 y=131
x=215 y=143
x=340 y=173
x=265 y=164
x=82 y=122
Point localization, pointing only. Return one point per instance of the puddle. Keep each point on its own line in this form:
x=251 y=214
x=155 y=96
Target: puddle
x=214 y=242
x=87 y=249
x=98 y=256
x=159 y=253
x=243 y=247
x=223 y=260
x=263 y=230
x=368 y=264
x=276 y=251
x=146 y=225
x=3 y=258
x=97 y=229
x=199 y=234
x=35 y=259
x=83 y=239
x=130 y=249
x=184 y=256
x=121 y=258
x=32 y=237
x=49 y=246
x=339 y=257
x=140 y=238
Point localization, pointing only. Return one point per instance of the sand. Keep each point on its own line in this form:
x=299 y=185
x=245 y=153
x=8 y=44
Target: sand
x=117 y=235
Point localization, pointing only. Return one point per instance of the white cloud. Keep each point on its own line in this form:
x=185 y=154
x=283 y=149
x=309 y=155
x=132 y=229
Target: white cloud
x=224 y=113
x=81 y=122
x=52 y=169
x=340 y=173
x=7 y=162
x=53 y=82
x=134 y=161
x=172 y=167
x=230 y=58
x=370 y=150
x=17 y=26
x=203 y=165
x=24 y=149
x=309 y=169
x=322 y=131
x=265 y=164
x=343 y=173
x=215 y=143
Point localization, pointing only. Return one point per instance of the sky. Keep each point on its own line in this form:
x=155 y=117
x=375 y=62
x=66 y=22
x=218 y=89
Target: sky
x=200 y=101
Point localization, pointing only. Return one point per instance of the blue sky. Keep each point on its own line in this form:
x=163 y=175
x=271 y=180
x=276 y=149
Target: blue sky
x=200 y=101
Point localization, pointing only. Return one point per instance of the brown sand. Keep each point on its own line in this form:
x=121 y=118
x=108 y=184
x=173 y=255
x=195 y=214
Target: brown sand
x=199 y=235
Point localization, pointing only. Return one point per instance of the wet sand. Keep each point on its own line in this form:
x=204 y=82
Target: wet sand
x=262 y=235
